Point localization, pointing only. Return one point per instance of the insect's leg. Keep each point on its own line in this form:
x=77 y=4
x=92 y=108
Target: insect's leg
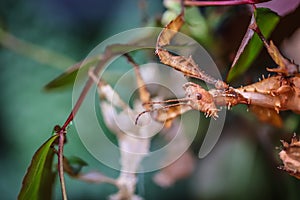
x=171 y=29
x=167 y=113
x=144 y=94
x=285 y=66
x=185 y=65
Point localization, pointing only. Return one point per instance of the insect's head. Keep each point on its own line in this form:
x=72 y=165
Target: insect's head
x=200 y=99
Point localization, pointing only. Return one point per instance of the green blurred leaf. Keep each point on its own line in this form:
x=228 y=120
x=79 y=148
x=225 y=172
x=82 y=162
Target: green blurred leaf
x=198 y=26
x=38 y=181
x=33 y=51
x=266 y=20
x=68 y=77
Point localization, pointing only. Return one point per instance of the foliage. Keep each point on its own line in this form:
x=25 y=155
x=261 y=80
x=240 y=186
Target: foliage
x=39 y=180
x=278 y=93
x=251 y=44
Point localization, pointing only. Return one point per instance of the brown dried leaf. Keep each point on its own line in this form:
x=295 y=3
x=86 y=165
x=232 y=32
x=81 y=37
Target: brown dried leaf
x=166 y=35
x=290 y=156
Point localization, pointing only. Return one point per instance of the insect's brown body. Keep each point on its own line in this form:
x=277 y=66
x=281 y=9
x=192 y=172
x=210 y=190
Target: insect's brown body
x=265 y=98
x=277 y=92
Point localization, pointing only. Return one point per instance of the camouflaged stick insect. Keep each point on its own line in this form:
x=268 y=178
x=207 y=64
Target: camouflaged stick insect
x=265 y=98
x=196 y=97
x=279 y=92
x=173 y=172
x=165 y=115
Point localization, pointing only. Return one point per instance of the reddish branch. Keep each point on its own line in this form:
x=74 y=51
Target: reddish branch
x=62 y=132
x=222 y=3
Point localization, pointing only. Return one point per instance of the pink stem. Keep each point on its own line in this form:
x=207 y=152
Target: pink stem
x=84 y=92
x=218 y=3
x=71 y=116
x=78 y=104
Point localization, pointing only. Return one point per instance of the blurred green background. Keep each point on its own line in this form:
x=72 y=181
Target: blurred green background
x=243 y=164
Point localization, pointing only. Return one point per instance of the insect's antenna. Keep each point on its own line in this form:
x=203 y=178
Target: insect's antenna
x=156 y=109
x=140 y=114
x=168 y=101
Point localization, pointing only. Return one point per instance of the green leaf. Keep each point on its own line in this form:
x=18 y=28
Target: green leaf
x=68 y=77
x=266 y=20
x=38 y=181
x=198 y=26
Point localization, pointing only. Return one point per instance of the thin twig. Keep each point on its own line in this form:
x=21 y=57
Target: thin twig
x=61 y=164
x=70 y=118
x=85 y=90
